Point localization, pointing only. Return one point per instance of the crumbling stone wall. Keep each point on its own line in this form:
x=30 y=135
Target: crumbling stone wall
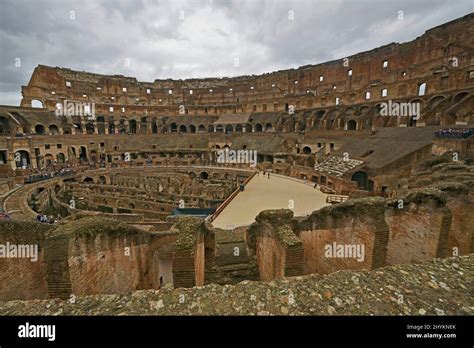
x=22 y=278
x=86 y=256
x=279 y=252
x=419 y=228
x=357 y=226
x=114 y=258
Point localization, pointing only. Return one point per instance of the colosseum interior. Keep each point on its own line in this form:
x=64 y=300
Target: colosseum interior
x=237 y=183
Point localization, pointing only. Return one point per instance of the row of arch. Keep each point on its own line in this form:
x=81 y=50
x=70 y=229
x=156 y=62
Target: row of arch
x=300 y=121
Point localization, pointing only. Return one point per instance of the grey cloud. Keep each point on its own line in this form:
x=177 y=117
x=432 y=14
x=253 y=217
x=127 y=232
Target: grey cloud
x=213 y=33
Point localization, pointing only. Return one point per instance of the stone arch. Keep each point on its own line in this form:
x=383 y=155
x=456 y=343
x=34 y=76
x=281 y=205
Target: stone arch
x=307 y=150
x=49 y=159
x=204 y=175
x=53 y=129
x=39 y=129
x=330 y=119
x=83 y=153
x=239 y=128
x=88 y=180
x=173 y=127
x=100 y=125
x=351 y=125
x=459 y=96
x=248 y=128
x=122 y=127
x=37 y=104
x=229 y=129
x=210 y=128
x=258 y=127
x=361 y=178
x=132 y=127
x=435 y=100
x=102 y=180
x=192 y=128
x=22 y=159
x=61 y=158
x=183 y=129
x=268 y=127
x=90 y=128
x=219 y=128
x=201 y=128
x=4 y=126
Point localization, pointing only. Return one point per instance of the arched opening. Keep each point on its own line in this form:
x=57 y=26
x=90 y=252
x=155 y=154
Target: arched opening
x=268 y=127
x=39 y=129
x=4 y=126
x=361 y=178
x=239 y=128
x=306 y=150
x=183 y=129
x=35 y=103
x=173 y=128
x=258 y=127
x=101 y=125
x=93 y=155
x=351 y=125
x=204 y=175
x=60 y=158
x=77 y=128
x=210 y=128
x=422 y=89
x=154 y=128
x=90 y=128
x=48 y=159
x=201 y=128
x=458 y=97
x=132 y=126
x=131 y=205
x=111 y=128
x=229 y=129
x=102 y=180
x=22 y=159
x=3 y=157
x=433 y=102
x=88 y=180
x=83 y=153
x=192 y=128
x=248 y=128
x=219 y=128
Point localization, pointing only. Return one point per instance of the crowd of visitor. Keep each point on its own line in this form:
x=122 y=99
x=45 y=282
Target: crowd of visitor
x=46 y=220
x=455 y=133
x=45 y=174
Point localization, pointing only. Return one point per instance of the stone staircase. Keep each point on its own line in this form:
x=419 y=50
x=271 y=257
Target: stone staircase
x=56 y=256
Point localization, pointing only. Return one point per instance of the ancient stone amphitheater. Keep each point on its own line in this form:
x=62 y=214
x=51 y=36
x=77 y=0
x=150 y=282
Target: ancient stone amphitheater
x=130 y=176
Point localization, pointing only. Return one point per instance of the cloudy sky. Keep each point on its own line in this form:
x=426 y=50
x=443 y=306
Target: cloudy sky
x=150 y=39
